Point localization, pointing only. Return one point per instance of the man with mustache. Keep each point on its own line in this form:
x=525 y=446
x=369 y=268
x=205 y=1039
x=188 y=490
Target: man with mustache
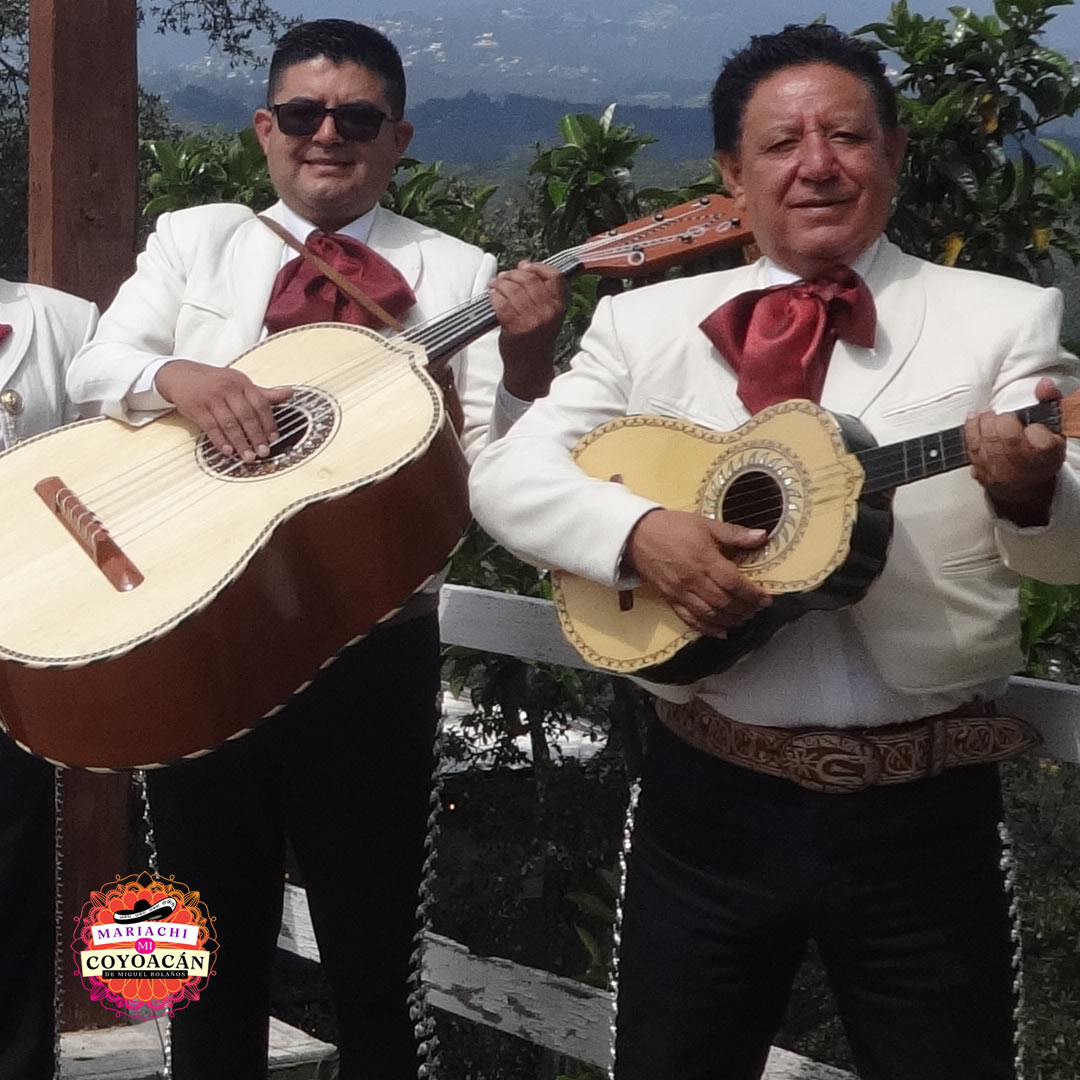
x=840 y=783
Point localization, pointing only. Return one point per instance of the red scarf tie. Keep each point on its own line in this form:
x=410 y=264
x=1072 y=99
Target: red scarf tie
x=302 y=295
x=779 y=340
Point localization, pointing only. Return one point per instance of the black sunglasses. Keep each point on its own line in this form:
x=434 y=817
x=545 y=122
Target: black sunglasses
x=357 y=123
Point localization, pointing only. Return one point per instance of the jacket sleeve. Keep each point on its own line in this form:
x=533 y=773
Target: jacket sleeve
x=528 y=493
x=174 y=293
x=1050 y=553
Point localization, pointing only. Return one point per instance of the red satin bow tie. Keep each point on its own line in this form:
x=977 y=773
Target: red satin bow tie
x=779 y=340
x=302 y=295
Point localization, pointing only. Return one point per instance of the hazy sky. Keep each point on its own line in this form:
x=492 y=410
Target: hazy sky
x=758 y=16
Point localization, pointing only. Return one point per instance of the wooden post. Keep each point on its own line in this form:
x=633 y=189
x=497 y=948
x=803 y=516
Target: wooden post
x=83 y=93
x=83 y=151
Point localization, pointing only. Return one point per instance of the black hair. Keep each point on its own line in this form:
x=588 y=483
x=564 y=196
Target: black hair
x=767 y=54
x=342 y=41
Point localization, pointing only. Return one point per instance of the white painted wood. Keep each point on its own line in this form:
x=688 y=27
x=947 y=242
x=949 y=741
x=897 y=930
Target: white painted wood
x=1054 y=708
x=526 y=627
x=134 y=1052
x=547 y=1010
x=542 y=1008
x=506 y=624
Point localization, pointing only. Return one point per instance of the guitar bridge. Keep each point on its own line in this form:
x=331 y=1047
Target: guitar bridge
x=89 y=533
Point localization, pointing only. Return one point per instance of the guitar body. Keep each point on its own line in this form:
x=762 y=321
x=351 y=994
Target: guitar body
x=237 y=582
x=790 y=470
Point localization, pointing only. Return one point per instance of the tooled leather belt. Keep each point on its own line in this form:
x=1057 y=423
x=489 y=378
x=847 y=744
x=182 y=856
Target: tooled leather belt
x=843 y=760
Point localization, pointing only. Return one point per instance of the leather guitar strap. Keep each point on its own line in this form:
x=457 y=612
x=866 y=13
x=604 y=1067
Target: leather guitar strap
x=444 y=377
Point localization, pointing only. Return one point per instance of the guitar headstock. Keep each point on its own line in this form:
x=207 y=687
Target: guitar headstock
x=666 y=238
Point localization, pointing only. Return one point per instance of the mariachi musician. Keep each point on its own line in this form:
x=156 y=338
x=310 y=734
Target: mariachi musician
x=840 y=782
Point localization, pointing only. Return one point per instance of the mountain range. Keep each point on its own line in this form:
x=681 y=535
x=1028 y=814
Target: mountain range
x=636 y=52
x=487 y=80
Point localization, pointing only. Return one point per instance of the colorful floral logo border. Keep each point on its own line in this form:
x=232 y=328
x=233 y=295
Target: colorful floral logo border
x=144 y=946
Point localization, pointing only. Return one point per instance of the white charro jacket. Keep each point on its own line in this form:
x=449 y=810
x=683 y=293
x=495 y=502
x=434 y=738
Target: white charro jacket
x=943 y=615
x=201 y=288
x=47 y=328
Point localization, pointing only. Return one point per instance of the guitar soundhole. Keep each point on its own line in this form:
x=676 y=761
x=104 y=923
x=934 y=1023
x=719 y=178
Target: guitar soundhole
x=293 y=425
x=753 y=499
x=305 y=422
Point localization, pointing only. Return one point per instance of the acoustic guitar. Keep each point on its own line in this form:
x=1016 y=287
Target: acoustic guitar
x=816 y=482
x=157 y=598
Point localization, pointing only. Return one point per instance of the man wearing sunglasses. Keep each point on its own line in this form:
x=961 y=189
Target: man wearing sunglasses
x=345 y=769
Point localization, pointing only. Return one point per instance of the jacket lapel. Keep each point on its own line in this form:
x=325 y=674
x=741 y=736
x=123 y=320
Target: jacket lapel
x=396 y=244
x=746 y=279
x=254 y=264
x=857 y=376
x=16 y=312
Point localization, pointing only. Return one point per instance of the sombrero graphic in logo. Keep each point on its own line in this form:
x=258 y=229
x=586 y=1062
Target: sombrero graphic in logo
x=144 y=946
x=144 y=910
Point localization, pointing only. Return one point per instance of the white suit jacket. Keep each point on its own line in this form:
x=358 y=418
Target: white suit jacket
x=943 y=614
x=48 y=328
x=201 y=288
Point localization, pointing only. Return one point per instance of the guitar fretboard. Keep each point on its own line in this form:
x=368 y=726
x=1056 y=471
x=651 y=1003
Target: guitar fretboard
x=913 y=459
x=445 y=335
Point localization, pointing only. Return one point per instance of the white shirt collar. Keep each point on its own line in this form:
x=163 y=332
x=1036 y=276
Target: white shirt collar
x=301 y=228
x=775 y=274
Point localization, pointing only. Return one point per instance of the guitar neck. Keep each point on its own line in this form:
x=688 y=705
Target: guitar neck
x=914 y=459
x=445 y=335
x=639 y=248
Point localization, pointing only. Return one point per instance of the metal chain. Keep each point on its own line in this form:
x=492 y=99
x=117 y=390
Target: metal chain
x=1008 y=870
x=59 y=944
x=164 y=1029
x=616 y=930
x=427 y=1049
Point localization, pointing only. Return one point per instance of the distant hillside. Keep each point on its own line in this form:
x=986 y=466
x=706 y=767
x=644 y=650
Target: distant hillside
x=474 y=129
x=478 y=130
x=481 y=131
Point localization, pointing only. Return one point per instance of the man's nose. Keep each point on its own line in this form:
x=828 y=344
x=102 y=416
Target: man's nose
x=327 y=131
x=817 y=157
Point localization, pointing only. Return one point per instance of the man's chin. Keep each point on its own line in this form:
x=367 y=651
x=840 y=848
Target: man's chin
x=828 y=246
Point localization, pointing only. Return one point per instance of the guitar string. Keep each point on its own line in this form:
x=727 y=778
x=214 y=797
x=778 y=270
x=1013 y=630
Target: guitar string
x=762 y=508
x=758 y=504
x=153 y=509
x=341 y=382
x=446 y=328
x=444 y=325
x=762 y=511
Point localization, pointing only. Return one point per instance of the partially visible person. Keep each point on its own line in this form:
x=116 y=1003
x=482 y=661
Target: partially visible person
x=344 y=770
x=840 y=783
x=41 y=329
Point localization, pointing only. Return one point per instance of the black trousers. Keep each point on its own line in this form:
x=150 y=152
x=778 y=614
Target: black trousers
x=731 y=872
x=26 y=915
x=345 y=772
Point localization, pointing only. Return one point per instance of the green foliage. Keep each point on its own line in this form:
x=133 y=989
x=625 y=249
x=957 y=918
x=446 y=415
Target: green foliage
x=206 y=168
x=1050 y=617
x=421 y=191
x=1043 y=803
x=586 y=181
x=975 y=91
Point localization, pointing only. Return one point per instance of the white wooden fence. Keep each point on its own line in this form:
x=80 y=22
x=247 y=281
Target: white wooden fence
x=548 y=1010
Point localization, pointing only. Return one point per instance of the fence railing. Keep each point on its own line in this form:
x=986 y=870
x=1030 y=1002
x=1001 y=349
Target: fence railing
x=548 y=1010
